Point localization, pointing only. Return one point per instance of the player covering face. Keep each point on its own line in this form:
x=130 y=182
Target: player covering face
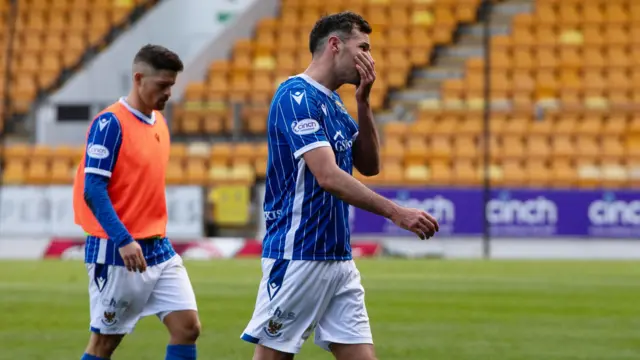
x=310 y=283
x=119 y=201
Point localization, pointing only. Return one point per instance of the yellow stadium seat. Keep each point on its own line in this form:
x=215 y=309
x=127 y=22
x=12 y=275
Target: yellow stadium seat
x=61 y=171
x=465 y=173
x=244 y=153
x=221 y=153
x=563 y=173
x=416 y=174
x=38 y=172
x=14 y=172
x=441 y=172
x=537 y=173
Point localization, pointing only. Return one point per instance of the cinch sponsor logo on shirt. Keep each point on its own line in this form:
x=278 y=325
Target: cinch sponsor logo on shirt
x=97 y=151
x=305 y=127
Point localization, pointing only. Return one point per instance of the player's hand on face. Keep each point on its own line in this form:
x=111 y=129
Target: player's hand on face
x=366 y=67
x=417 y=221
x=133 y=258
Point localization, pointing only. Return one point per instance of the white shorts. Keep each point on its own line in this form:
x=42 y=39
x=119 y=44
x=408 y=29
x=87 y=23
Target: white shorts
x=119 y=298
x=297 y=297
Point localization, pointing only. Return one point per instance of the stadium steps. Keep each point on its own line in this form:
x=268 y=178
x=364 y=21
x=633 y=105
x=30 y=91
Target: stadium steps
x=449 y=61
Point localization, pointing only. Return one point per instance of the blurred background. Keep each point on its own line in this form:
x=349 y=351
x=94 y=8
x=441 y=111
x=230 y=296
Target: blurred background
x=515 y=122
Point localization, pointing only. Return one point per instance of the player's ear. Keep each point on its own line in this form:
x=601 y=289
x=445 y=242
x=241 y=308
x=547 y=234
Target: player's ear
x=137 y=78
x=334 y=44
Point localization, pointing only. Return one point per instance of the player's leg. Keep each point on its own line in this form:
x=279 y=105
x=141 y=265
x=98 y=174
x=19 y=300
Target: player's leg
x=174 y=302
x=265 y=353
x=353 y=351
x=116 y=300
x=101 y=346
x=291 y=297
x=344 y=328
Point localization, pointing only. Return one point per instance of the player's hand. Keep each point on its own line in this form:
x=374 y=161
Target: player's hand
x=366 y=67
x=133 y=258
x=417 y=221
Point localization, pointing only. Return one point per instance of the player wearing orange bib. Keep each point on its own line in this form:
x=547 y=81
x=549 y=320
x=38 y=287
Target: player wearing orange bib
x=119 y=201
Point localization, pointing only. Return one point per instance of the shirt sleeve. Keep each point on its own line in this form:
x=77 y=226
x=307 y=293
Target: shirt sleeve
x=96 y=196
x=299 y=119
x=103 y=145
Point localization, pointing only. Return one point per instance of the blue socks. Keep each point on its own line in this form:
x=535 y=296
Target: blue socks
x=174 y=352
x=91 y=357
x=181 y=352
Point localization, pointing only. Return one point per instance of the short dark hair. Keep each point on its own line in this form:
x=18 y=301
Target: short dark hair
x=159 y=58
x=343 y=23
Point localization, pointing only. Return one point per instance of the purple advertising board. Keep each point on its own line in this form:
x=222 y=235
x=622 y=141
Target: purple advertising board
x=513 y=213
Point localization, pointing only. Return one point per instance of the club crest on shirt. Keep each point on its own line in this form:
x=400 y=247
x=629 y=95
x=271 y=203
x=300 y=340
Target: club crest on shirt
x=109 y=318
x=341 y=107
x=273 y=329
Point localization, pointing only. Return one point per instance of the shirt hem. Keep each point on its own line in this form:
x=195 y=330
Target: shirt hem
x=317 y=257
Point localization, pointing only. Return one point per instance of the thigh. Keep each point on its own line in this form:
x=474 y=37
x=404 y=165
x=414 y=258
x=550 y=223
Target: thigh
x=172 y=292
x=117 y=297
x=346 y=320
x=291 y=298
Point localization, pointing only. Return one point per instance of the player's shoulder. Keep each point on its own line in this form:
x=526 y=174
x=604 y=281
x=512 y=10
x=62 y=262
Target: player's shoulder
x=295 y=87
x=105 y=120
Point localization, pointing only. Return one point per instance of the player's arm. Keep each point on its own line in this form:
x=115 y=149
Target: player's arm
x=307 y=139
x=103 y=146
x=366 y=148
x=344 y=186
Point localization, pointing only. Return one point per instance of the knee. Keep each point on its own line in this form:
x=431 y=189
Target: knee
x=187 y=333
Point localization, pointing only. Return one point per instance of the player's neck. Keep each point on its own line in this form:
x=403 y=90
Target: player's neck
x=135 y=103
x=323 y=75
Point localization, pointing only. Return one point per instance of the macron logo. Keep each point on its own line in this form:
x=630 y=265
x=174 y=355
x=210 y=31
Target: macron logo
x=273 y=290
x=297 y=96
x=324 y=109
x=103 y=123
x=338 y=135
x=100 y=282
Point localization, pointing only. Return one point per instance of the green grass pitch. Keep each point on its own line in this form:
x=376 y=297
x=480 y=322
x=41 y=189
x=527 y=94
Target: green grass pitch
x=420 y=309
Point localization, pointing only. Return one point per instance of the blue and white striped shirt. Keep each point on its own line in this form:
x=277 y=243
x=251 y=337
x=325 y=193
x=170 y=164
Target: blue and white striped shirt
x=303 y=221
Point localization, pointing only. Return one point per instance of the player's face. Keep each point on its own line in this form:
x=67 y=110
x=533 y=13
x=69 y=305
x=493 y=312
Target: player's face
x=346 y=63
x=155 y=88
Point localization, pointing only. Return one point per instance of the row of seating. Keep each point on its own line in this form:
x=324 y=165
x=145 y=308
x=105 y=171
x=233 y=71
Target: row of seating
x=532 y=172
x=405 y=33
x=420 y=150
x=619 y=12
x=614 y=59
x=34 y=22
x=51 y=36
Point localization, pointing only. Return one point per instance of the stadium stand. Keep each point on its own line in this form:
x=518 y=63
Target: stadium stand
x=565 y=74
x=576 y=64
x=52 y=36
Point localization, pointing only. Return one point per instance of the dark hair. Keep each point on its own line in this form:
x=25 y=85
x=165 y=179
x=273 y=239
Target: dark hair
x=343 y=23
x=159 y=58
